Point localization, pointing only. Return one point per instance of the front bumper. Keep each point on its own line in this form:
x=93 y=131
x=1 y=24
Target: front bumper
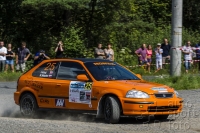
x=16 y=97
x=151 y=107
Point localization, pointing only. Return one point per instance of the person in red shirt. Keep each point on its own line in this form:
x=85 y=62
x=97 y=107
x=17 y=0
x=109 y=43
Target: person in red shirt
x=142 y=55
x=149 y=57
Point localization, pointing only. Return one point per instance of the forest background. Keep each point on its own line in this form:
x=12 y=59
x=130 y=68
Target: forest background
x=82 y=24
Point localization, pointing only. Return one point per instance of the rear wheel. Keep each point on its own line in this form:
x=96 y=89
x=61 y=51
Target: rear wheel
x=28 y=105
x=161 y=117
x=111 y=110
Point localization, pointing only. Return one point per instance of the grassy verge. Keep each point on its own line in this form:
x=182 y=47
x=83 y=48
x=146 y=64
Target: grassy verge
x=164 y=71
x=9 y=76
x=185 y=82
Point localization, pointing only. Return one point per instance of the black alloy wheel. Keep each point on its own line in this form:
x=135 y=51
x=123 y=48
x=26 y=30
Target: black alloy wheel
x=28 y=105
x=111 y=110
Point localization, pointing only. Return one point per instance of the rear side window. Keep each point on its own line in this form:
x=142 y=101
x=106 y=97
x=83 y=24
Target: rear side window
x=46 y=70
x=70 y=70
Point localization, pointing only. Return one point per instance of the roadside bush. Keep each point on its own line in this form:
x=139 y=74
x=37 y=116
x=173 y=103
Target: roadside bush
x=9 y=76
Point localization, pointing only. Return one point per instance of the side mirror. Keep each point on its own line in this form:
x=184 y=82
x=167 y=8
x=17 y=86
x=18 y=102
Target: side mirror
x=139 y=76
x=82 y=77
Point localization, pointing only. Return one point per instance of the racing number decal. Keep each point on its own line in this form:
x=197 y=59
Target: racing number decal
x=50 y=66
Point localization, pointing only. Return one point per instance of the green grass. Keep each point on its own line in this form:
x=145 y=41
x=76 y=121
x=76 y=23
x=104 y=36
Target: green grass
x=164 y=71
x=184 y=82
x=9 y=76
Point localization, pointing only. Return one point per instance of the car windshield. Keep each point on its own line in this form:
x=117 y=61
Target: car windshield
x=103 y=71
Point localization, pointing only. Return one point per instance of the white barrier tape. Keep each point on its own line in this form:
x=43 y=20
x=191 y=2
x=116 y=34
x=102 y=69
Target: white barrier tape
x=145 y=65
x=163 y=63
x=180 y=48
x=192 y=61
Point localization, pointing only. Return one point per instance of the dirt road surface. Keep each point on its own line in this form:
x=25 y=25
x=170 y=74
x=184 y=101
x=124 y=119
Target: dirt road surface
x=11 y=120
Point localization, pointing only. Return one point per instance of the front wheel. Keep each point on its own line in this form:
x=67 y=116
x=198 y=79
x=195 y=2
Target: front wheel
x=28 y=105
x=111 y=110
x=161 y=117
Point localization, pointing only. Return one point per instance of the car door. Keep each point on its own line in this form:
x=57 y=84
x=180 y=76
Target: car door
x=43 y=80
x=69 y=92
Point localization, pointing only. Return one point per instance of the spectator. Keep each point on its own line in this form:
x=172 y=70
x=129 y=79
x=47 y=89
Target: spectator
x=22 y=55
x=109 y=53
x=166 y=51
x=9 y=58
x=39 y=57
x=187 y=50
x=142 y=54
x=3 y=52
x=198 y=54
x=149 y=57
x=158 y=52
x=59 y=50
x=99 y=52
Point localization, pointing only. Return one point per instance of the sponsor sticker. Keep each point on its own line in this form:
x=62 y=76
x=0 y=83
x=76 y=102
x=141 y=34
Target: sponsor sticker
x=51 y=72
x=159 y=89
x=60 y=102
x=42 y=100
x=80 y=92
x=43 y=72
x=104 y=63
x=43 y=75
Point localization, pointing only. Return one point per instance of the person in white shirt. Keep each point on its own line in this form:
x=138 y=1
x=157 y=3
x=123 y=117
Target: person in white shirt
x=158 y=52
x=109 y=53
x=3 y=52
x=187 y=50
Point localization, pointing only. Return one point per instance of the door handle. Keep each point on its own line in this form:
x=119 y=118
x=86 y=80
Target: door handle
x=58 y=84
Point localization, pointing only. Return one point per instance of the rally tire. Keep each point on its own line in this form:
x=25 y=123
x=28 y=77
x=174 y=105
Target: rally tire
x=28 y=105
x=161 y=117
x=111 y=110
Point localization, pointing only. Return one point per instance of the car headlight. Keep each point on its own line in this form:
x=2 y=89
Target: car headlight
x=136 y=94
x=177 y=94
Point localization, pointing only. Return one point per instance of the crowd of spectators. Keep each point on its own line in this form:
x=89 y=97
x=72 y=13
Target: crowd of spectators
x=21 y=55
x=162 y=55
x=144 y=53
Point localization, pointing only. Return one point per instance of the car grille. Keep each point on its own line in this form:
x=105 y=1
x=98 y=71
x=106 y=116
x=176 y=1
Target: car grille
x=164 y=95
x=162 y=108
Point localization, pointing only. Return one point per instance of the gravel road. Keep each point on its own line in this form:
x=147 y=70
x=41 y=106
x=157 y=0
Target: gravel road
x=56 y=122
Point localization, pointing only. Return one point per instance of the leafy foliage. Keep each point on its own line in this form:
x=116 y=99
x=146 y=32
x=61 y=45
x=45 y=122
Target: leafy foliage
x=73 y=45
x=81 y=24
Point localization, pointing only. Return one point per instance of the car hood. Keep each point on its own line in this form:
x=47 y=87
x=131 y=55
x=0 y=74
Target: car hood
x=142 y=85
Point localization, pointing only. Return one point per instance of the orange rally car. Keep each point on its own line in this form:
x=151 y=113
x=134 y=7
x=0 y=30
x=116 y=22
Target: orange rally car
x=96 y=85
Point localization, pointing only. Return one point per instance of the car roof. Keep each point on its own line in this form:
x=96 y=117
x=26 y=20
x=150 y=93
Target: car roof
x=84 y=60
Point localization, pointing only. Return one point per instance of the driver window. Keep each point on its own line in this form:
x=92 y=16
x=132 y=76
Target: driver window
x=116 y=72
x=121 y=72
x=70 y=70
